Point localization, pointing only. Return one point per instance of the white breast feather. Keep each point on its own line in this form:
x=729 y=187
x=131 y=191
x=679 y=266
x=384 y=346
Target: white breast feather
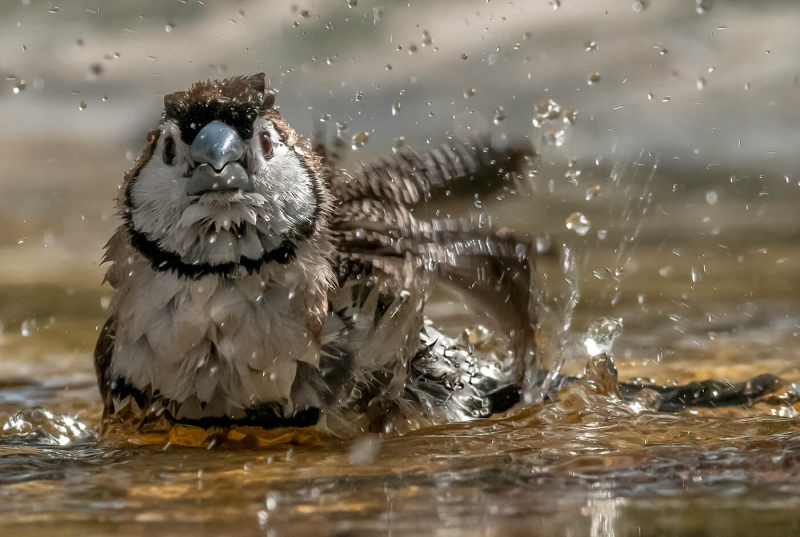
x=258 y=325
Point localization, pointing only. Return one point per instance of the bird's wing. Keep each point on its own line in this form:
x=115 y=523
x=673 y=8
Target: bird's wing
x=376 y=225
x=493 y=271
x=409 y=178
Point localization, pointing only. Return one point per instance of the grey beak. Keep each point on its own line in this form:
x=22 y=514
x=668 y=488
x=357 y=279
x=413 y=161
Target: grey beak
x=217 y=144
x=215 y=150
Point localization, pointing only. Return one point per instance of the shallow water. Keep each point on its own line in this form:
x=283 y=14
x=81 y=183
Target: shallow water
x=584 y=464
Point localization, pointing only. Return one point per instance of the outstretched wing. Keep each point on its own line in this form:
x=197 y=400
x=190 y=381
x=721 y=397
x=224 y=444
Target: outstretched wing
x=375 y=227
x=409 y=178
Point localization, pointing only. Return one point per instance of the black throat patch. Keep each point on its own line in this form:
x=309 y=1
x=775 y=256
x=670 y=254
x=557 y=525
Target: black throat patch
x=162 y=260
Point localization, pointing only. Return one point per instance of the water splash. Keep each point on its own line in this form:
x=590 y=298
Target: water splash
x=601 y=334
x=630 y=184
x=555 y=305
x=37 y=426
x=561 y=292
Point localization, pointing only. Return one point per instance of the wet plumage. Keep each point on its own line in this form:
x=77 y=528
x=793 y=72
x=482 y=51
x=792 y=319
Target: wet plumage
x=255 y=282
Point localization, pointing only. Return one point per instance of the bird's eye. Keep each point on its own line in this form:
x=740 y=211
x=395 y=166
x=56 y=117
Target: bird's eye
x=266 y=144
x=169 y=151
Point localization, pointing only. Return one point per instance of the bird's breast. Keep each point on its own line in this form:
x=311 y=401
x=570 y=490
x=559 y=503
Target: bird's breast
x=214 y=346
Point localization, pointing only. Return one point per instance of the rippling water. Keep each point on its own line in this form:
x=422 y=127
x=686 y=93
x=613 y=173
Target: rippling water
x=586 y=463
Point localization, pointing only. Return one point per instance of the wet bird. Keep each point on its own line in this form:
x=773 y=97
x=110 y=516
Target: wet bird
x=257 y=283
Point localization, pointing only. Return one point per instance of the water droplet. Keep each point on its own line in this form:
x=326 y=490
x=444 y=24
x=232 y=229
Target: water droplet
x=395 y=108
x=388 y=66
x=359 y=95
x=82 y=106
x=464 y=56
x=591 y=46
x=570 y=116
x=602 y=234
x=594 y=78
x=699 y=274
x=703 y=6
x=53 y=10
x=572 y=176
x=499 y=116
x=426 y=38
x=352 y=3
x=545 y=112
x=377 y=14
x=711 y=197
x=412 y=48
x=640 y=5
x=105 y=302
x=329 y=26
x=341 y=126
x=554 y=137
x=19 y=86
x=701 y=83
x=95 y=70
x=591 y=192
x=169 y=27
x=650 y=96
x=601 y=334
x=663 y=51
x=469 y=92
x=360 y=139
x=29 y=327
x=398 y=142
x=578 y=223
x=305 y=13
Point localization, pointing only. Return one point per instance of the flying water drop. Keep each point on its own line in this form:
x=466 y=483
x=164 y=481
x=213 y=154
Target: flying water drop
x=703 y=6
x=601 y=334
x=591 y=192
x=578 y=223
x=360 y=139
x=29 y=327
x=545 y=112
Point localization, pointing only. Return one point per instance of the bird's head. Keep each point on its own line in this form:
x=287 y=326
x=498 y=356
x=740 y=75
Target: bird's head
x=224 y=182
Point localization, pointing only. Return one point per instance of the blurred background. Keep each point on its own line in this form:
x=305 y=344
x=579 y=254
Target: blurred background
x=667 y=131
x=706 y=89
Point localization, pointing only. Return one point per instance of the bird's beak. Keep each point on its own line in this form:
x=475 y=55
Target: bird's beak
x=216 y=151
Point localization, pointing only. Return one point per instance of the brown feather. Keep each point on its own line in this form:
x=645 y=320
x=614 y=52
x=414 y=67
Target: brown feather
x=239 y=89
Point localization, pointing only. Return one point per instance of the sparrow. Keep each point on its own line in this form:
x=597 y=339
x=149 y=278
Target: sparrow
x=257 y=283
